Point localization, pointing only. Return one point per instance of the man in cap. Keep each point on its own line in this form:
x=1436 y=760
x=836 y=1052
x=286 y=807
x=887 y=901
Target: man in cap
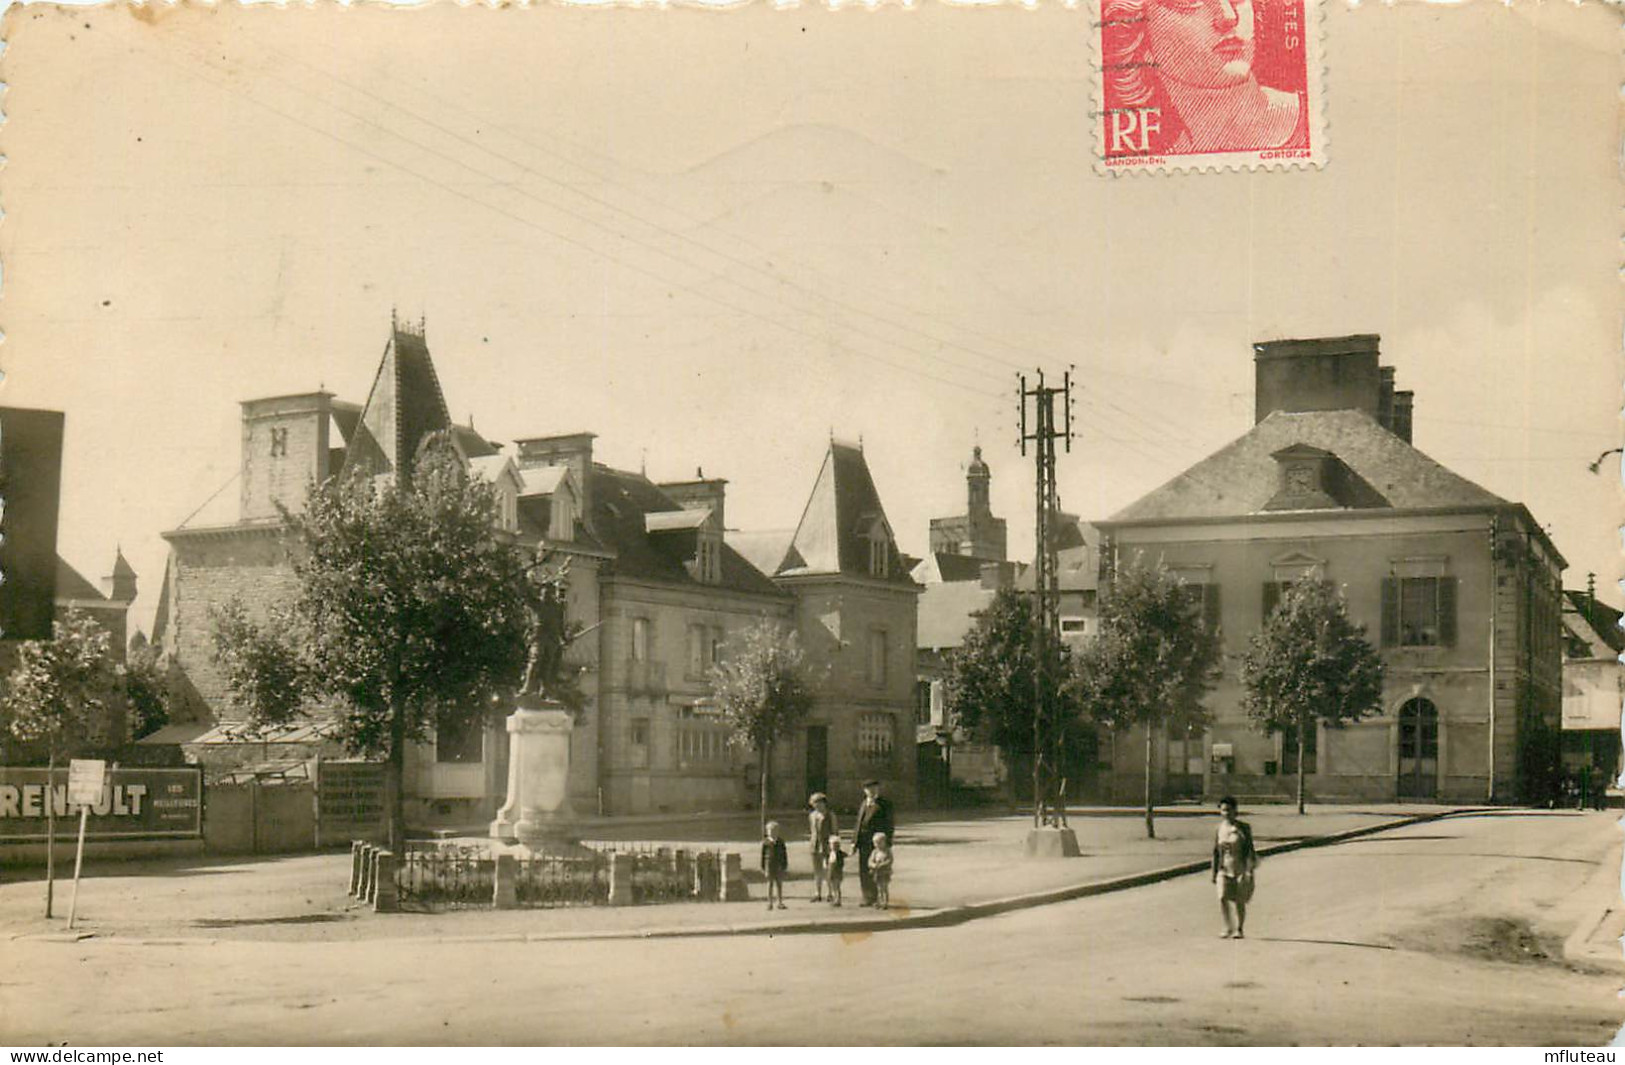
x=874 y=816
x=821 y=827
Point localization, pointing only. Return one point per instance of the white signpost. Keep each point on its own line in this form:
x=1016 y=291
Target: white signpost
x=86 y=777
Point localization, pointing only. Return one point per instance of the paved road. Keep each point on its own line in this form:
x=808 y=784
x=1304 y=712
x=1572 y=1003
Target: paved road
x=1441 y=933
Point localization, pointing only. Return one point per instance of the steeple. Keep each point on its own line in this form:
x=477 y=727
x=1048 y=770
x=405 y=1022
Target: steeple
x=120 y=585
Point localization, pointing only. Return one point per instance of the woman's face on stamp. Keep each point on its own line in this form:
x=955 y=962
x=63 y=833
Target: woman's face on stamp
x=1202 y=43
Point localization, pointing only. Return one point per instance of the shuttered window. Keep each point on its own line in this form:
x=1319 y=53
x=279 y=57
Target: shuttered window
x=1419 y=612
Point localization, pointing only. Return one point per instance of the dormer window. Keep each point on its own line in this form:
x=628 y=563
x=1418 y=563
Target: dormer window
x=562 y=517
x=1308 y=479
x=509 y=506
x=873 y=530
x=708 y=559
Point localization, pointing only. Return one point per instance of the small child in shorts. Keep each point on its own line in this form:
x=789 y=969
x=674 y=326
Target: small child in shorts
x=775 y=863
x=835 y=869
x=880 y=866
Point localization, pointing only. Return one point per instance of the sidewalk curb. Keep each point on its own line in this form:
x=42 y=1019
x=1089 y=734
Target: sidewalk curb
x=1577 y=947
x=943 y=918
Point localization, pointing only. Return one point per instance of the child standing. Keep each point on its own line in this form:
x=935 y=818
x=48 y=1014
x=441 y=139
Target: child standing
x=775 y=863
x=835 y=869
x=880 y=866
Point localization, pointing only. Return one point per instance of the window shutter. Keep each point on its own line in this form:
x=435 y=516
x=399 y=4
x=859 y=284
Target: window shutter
x=1210 y=607
x=1390 y=611
x=1447 y=611
x=1272 y=597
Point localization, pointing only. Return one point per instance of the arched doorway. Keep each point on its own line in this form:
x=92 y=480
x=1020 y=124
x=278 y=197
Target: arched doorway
x=1418 y=749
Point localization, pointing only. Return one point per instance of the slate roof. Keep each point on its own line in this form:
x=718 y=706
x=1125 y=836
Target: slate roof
x=404 y=405
x=71 y=584
x=832 y=536
x=1241 y=478
x=620 y=503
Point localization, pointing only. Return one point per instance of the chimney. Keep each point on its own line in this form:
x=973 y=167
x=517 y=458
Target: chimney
x=565 y=449
x=1321 y=373
x=699 y=494
x=1403 y=407
x=1385 y=397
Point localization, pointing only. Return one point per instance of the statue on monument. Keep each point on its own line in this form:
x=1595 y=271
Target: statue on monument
x=548 y=677
x=537 y=812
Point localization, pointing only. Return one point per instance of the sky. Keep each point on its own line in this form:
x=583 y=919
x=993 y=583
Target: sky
x=717 y=237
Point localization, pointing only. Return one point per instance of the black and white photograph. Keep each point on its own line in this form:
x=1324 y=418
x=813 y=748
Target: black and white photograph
x=878 y=524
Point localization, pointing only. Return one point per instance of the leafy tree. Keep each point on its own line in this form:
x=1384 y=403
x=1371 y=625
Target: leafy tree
x=1310 y=663
x=1154 y=660
x=267 y=674
x=763 y=691
x=409 y=616
x=146 y=688
x=59 y=697
x=992 y=689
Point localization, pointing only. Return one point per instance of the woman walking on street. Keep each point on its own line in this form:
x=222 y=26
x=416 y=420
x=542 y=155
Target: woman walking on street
x=1234 y=862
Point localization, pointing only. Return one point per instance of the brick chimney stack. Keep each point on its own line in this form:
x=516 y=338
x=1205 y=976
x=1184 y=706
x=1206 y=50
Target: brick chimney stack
x=1322 y=373
x=1404 y=409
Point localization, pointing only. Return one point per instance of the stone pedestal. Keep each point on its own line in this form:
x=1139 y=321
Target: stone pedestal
x=620 y=879
x=1050 y=842
x=733 y=879
x=505 y=883
x=537 y=813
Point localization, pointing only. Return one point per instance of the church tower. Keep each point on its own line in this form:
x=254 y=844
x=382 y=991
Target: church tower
x=976 y=533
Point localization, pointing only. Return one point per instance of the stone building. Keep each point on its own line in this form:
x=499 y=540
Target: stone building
x=1458 y=587
x=289 y=444
x=652 y=579
x=1593 y=693
x=854 y=608
x=671 y=593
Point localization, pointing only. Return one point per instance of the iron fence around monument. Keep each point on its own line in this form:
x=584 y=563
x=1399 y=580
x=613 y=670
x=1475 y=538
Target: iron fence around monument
x=445 y=877
x=547 y=880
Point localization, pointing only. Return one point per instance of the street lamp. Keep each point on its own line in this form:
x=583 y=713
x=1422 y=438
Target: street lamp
x=1597 y=464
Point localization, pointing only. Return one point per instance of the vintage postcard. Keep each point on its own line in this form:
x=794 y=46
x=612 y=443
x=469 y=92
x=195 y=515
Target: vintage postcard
x=892 y=524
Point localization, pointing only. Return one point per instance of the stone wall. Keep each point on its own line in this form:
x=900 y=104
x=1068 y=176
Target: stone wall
x=207 y=571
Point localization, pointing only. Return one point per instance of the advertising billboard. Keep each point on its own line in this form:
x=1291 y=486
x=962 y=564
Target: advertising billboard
x=133 y=804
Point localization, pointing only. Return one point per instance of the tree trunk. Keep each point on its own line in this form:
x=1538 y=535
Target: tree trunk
x=767 y=757
x=1150 y=823
x=1300 y=766
x=395 y=780
x=50 y=833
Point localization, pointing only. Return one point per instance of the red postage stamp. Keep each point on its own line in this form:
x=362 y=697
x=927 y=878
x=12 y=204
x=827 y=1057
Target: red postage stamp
x=1199 y=84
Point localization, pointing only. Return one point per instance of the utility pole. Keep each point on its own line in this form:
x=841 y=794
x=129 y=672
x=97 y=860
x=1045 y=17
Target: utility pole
x=1042 y=433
